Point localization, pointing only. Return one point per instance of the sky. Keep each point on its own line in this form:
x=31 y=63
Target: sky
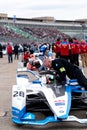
x=59 y=9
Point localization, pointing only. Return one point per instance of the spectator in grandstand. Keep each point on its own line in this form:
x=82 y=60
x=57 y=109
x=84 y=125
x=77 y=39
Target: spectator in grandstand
x=83 y=53
x=65 y=68
x=10 y=53
x=16 y=51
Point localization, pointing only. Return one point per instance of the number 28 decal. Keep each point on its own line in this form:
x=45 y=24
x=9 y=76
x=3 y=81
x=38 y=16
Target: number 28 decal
x=18 y=93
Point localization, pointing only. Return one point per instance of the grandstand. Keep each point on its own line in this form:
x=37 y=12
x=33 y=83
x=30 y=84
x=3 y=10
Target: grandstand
x=40 y=29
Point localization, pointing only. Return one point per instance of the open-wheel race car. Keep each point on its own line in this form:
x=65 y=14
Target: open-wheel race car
x=33 y=94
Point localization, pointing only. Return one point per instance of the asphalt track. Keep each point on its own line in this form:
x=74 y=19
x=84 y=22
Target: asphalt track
x=7 y=80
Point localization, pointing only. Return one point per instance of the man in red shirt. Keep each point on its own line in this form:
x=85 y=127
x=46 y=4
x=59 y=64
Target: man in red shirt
x=75 y=50
x=57 y=48
x=64 y=49
x=26 y=58
x=9 y=52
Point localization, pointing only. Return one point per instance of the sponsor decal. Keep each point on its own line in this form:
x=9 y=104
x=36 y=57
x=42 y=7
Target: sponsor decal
x=59 y=102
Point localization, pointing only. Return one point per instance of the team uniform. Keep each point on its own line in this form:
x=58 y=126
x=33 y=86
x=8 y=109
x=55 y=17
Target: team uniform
x=63 y=68
x=64 y=51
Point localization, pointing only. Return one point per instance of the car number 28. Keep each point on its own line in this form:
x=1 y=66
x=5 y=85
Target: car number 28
x=18 y=93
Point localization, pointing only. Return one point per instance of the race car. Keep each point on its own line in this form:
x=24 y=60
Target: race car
x=33 y=94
